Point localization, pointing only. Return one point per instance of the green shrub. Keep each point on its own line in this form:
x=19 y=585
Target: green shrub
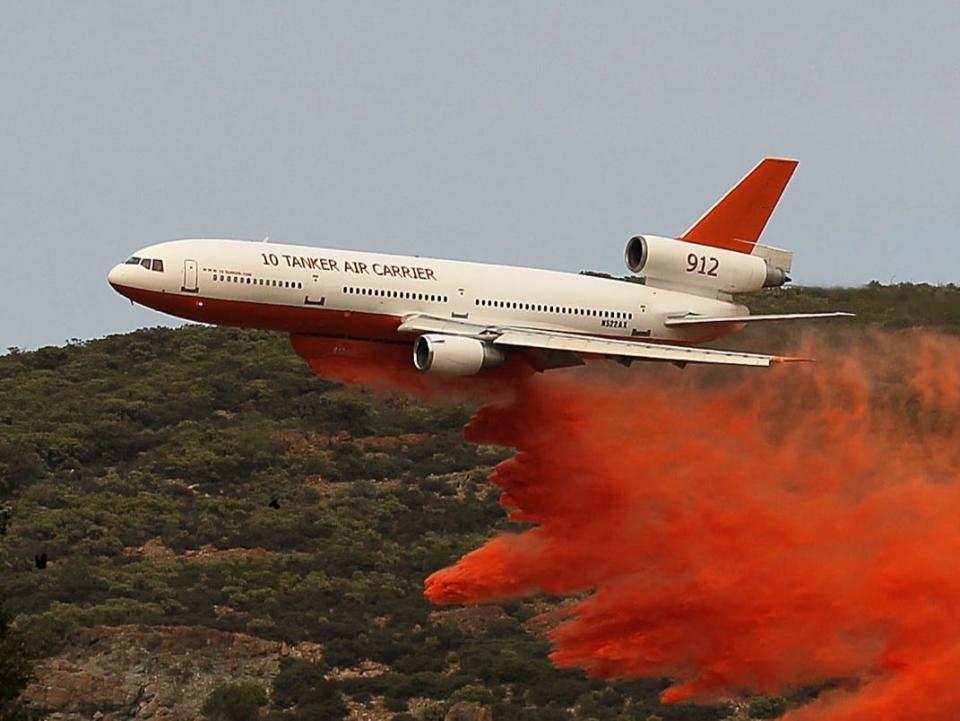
x=767 y=707
x=395 y=704
x=234 y=702
x=299 y=682
x=15 y=670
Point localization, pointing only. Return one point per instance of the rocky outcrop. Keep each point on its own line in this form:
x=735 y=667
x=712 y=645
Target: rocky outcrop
x=150 y=672
x=473 y=619
x=155 y=550
x=468 y=711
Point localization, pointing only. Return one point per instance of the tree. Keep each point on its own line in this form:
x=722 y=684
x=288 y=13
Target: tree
x=15 y=672
x=234 y=702
x=302 y=686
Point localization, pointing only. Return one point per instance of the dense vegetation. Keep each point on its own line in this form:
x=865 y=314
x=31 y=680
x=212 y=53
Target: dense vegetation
x=203 y=476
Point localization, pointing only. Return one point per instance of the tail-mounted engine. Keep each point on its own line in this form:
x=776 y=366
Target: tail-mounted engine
x=670 y=263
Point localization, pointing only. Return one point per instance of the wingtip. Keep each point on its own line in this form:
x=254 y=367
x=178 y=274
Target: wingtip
x=792 y=359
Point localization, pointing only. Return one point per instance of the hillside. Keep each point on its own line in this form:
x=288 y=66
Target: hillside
x=213 y=513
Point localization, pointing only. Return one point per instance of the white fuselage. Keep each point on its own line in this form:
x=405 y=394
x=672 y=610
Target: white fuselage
x=362 y=295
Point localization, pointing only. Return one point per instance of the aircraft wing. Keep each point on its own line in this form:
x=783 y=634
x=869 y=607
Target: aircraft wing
x=688 y=320
x=558 y=342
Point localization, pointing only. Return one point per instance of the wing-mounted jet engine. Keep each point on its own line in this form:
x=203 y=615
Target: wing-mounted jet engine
x=451 y=355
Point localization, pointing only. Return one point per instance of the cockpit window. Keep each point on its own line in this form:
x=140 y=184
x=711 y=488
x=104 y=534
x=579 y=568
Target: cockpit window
x=157 y=265
x=145 y=263
x=133 y=261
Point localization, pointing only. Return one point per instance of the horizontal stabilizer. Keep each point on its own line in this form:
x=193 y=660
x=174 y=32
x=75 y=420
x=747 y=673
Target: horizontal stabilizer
x=694 y=320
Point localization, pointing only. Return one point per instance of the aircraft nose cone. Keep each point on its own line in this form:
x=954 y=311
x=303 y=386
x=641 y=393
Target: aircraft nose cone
x=119 y=278
x=113 y=277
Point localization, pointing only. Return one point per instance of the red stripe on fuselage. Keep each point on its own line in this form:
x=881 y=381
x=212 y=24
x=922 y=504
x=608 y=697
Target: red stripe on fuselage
x=270 y=316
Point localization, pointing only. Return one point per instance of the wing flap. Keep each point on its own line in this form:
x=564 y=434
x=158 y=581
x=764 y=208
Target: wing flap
x=566 y=343
x=695 y=320
x=629 y=349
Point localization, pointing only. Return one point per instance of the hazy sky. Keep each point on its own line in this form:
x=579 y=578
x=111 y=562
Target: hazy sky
x=524 y=132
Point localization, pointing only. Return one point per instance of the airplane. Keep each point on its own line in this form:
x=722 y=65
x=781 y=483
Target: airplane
x=458 y=318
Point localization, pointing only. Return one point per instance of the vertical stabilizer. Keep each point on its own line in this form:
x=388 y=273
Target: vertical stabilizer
x=739 y=217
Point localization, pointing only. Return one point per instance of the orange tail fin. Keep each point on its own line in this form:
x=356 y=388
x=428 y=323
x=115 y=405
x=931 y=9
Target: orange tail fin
x=738 y=218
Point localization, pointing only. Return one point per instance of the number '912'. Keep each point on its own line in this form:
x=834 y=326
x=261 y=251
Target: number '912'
x=702 y=265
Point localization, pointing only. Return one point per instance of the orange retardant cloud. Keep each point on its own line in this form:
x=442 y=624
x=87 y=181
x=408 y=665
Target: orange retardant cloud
x=743 y=531
x=738 y=531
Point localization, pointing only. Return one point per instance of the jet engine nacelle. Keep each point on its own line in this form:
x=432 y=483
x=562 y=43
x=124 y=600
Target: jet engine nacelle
x=680 y=263
x=451 y=355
